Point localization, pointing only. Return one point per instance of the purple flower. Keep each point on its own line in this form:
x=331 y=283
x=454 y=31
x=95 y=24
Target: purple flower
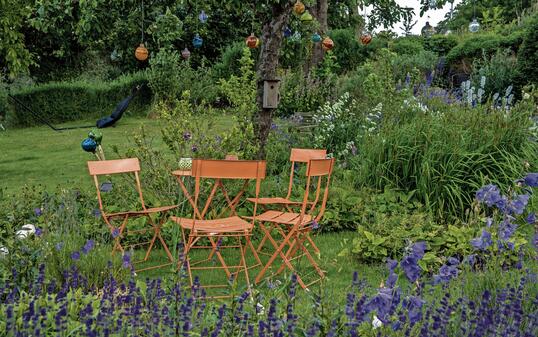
x=59 y=246
x=531 y=180
x=489 y=222
x=410 y=267
x=483 y=242
x=194 y=148
x=414 y=307
x=37 y=211
x=489 y=194
x=315 y=224
x=518 y=204
x=88 y=246
x=187 y=135
x=75 y=256
x=506 y=229
x=446 y=273
x=96 y=212
x=531 y=218
x=126 y=260
x=452 y=261
x=115 y=233
x=38 y=231
x=419 y=248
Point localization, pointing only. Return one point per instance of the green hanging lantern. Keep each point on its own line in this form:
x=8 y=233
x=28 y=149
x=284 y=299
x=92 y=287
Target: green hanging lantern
x=307 y=17
x=96 y=135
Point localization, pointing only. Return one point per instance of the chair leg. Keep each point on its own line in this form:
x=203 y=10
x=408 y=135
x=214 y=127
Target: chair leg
x=309 y=238
x=219 y=256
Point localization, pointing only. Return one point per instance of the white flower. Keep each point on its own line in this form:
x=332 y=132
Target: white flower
x=376 y=323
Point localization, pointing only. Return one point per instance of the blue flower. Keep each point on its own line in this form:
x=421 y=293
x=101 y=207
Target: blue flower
x=531 y=218
x=483 y=242
x=531 y=180
x=126 y=260
x=59 y=246
x=410 y=267
x=37 y=211
x=38 y=231
x=75 y=256
x=506 y=229
x=88 y=246
x=115 y=233
x=489 y=194
x=518 y=204
x=315 y=225
x=446 y=273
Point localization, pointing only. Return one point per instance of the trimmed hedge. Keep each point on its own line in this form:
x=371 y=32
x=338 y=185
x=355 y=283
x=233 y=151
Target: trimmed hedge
x=60 y=102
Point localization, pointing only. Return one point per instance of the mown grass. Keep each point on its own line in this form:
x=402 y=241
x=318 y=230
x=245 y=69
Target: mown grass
x=42 y=156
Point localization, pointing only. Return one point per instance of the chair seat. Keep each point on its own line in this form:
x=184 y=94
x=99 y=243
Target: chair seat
x=287 y=218
x=142 y=212
x=217 y=226
x=276 y=200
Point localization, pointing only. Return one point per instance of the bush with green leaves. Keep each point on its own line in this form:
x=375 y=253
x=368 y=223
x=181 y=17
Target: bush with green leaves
x=422 y=62
x=59 y=102
x=447 y=153
x=440 y=44
x=499 y=71
x=527 y=55
x=407 y=45
x=164 y=75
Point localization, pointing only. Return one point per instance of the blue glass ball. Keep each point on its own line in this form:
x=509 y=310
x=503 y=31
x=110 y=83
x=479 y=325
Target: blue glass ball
x=89 y=145
x=197 y=42
x=287 y=32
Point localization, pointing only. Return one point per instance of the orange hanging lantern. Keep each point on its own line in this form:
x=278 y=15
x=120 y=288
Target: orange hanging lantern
x=365 y=38
x=299 y=8
x=327 y=43
x=141 y=53
x=252 y=41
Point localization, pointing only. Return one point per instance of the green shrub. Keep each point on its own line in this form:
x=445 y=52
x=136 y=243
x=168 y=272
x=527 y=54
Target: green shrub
x=528 y=54
x=499 y=70
x=421 y=61
x=348 y=50
x=164 y=75
x=407 y=45
x=447 y=155
x=67 y=101
x=229 y=61
x=440 y=44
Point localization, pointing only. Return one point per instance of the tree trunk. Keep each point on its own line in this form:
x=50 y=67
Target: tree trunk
x=267 y=68
x=320 y=13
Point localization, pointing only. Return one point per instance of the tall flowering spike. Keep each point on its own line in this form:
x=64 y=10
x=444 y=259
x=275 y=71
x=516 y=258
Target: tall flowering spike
x=518 y=204
x=489 y=194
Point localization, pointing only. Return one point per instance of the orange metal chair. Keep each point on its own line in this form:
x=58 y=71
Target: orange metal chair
x=214 y=230
x=298 y=225
x=297 y=156
x=131 y=165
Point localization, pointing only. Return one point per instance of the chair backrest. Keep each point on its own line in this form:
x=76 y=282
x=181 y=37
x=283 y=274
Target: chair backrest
x=302 y=156
x=118 y=166
x=219 y=170
x=322 y=170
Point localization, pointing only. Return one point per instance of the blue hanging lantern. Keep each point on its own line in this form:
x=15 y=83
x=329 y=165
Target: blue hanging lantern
x=197 y=42
x=89 y=145
x=287 y=32
x=316 y=38
x=202 y=17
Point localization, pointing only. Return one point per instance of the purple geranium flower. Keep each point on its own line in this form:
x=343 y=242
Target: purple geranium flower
x=531 y=180
x=115 y=233
x=38 y=231
x=506 y=229
x=37 y=211
x=531 y=218
x=489 y=194
x=518 y=204
x=483 y=242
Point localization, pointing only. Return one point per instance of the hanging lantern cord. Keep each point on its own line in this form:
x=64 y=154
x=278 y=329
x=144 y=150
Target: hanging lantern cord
x=142 y=22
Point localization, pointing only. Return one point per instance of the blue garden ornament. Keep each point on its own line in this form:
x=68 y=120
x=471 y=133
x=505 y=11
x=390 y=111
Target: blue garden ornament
x=287 y=32
x=202 y=17
x=197 y=41
x=316 y=38
x=89 y=145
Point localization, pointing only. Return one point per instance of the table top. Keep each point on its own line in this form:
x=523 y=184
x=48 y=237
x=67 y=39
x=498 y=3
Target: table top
x=182 y=173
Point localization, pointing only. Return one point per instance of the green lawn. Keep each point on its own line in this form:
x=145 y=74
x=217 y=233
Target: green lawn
x=40 y=155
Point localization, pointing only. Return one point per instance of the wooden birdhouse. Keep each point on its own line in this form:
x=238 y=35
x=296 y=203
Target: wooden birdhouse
x=271 y=94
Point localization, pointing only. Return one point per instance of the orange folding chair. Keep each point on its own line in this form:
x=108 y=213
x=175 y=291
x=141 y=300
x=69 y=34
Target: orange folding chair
x=298 y=225
x=216 y=230
x=122 y=166
x=297 y=156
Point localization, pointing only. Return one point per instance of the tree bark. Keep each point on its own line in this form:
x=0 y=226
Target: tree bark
x=320 y=13
x=267 y=68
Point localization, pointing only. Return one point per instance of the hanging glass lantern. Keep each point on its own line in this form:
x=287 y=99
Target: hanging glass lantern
x=115 y=56
x=89 y=145
x=296 y=37
x=202 y=17
x=428 y=30
x=185 y=53
x=299 y=8
x=197 y=41
x=432 y=4
x=141 y=53
x=327 y=44
x=252 y=41
x=474 y=26
x=287 y=32
x=307 y=17
x=365 y=37
x=316 y=38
